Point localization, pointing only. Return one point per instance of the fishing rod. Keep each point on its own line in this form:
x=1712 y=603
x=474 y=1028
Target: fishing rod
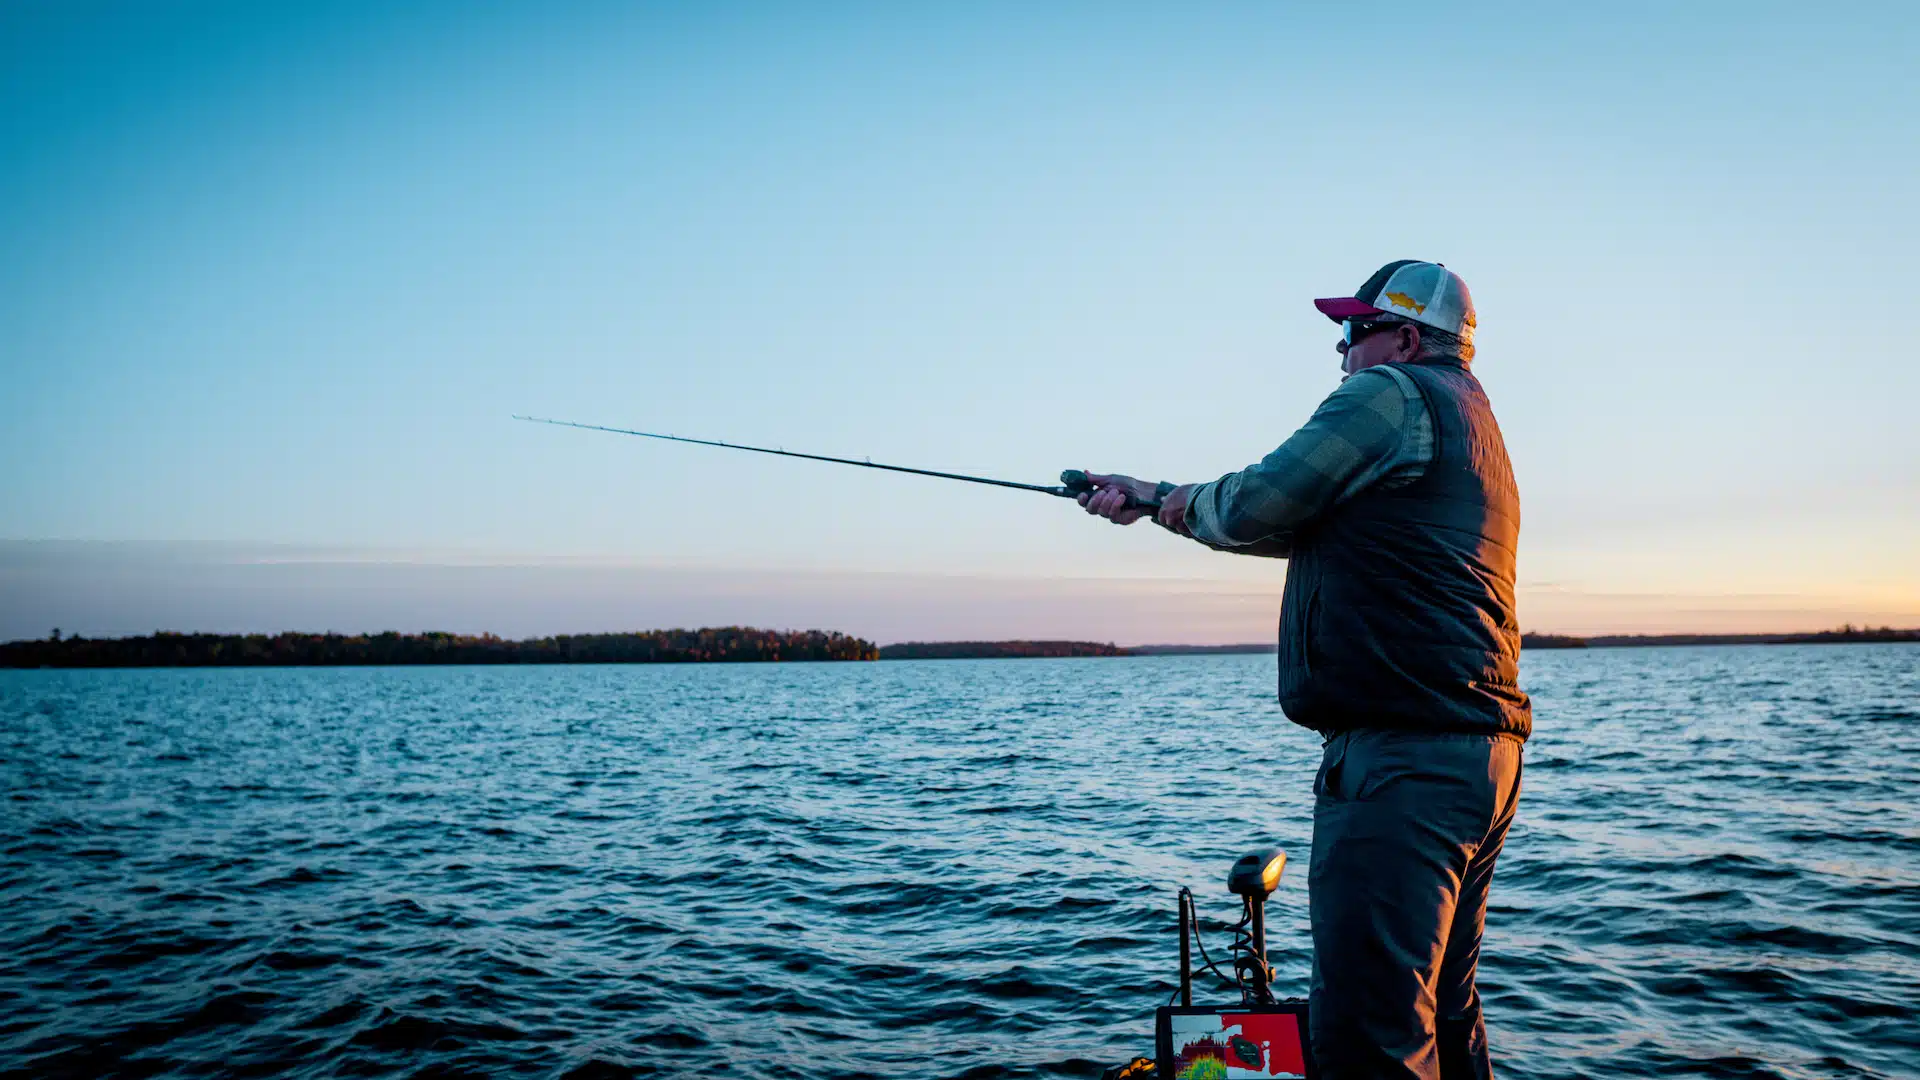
x=1073 y=482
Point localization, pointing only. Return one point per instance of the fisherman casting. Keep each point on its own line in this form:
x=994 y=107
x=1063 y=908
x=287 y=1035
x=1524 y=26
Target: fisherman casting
x=1396 y=509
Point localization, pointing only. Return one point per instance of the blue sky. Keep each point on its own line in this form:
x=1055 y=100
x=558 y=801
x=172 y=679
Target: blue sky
x=275 y=276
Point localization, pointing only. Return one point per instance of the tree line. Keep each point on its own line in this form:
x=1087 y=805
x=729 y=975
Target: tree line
x=727 y=644
x=1845 y=635
x=985 y=650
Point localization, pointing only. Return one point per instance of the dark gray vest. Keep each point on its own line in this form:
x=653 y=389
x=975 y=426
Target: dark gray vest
x=1399 y=610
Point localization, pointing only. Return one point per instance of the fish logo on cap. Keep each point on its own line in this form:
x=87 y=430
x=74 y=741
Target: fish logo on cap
x=1401 y=299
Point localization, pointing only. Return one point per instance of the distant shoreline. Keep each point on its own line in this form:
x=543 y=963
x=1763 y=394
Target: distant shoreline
x=1846 y=635
x=732 y=644
x=728 y=644
x=993 y=650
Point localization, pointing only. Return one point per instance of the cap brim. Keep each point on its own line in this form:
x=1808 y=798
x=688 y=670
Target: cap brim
x=1339 y=308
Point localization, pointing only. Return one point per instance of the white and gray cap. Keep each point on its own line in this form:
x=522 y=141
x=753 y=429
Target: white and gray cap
x=1422 y=292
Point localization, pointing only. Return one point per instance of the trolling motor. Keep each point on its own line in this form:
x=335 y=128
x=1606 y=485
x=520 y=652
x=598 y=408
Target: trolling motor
x=1257 y=1036
x=1253 y=878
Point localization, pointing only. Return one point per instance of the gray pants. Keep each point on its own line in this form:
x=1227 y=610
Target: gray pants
x=1406 y=829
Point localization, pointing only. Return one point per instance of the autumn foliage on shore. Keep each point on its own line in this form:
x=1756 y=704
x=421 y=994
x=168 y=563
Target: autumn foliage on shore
x=722 y=644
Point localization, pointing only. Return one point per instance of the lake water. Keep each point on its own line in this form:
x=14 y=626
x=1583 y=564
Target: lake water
x=907 y=869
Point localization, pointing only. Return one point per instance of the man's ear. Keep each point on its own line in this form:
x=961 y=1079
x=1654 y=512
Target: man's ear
x=1409 y=340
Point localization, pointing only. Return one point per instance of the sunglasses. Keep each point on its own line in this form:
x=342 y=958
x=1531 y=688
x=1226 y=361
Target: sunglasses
x=1352 y=330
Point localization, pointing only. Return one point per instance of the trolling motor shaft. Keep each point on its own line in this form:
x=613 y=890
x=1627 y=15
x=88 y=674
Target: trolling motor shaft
x=1253 y=878
x=1073 y=482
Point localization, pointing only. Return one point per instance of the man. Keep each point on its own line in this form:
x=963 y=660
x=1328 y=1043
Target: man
x=1396 y=507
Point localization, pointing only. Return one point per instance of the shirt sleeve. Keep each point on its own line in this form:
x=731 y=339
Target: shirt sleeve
x=1357 y=437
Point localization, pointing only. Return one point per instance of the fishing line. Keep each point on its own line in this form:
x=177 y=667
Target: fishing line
x=1073 y=482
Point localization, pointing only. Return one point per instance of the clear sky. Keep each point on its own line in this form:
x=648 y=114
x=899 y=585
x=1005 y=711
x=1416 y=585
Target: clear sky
x=274 y=276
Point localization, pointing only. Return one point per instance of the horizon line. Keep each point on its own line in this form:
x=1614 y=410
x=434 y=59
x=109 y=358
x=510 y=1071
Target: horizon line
x=1675 y=637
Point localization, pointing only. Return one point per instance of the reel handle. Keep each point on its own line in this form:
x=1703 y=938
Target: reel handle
x=1074 y=483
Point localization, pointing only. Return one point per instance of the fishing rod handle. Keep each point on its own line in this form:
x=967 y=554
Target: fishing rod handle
x=1076 y=484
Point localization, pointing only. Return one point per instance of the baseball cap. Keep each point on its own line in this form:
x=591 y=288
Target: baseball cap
x=1422 y=292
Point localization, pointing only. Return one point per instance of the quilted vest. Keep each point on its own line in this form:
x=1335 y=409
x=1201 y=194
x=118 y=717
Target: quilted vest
x=1399 y=608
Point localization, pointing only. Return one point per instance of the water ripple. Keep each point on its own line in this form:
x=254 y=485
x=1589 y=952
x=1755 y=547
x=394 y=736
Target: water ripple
x=915 y=869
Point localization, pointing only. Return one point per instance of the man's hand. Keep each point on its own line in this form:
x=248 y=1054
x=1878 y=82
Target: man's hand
x=1110 y=494
x=1173 y=509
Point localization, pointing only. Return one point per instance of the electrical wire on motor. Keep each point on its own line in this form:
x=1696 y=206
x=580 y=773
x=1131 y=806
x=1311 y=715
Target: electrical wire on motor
x=1240 y=952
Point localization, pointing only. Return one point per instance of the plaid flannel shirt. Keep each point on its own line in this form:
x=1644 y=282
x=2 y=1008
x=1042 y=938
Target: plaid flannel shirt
x=1373 y=429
